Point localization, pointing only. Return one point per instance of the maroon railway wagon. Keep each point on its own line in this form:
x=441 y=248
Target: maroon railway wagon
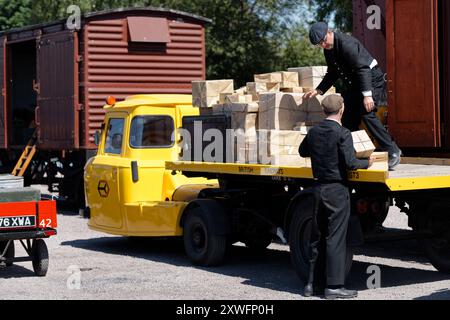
x=412 y=46
x=54 y=80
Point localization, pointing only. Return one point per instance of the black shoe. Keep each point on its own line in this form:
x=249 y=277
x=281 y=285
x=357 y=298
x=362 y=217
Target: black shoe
x=394 y=159
x=340 y=293
x=311 y=290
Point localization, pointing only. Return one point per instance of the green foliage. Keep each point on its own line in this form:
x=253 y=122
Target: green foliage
x=340 y=11
x=297 y=50
x=14 y=13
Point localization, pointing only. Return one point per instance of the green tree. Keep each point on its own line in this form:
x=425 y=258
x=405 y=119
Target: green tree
x=297 y=50
x=14 y=13
x=338 y=11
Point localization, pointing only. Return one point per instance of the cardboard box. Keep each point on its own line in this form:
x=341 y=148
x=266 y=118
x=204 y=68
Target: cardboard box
x=288 y=161
x=273 y=77
x=207 y=93
x=293 y=90
x=245 y=147
x=310 y=76
x=235 y=98
x=364 y=147
x=315 y=117
x=381 y=162
x=289 y=80
x=303 y=129
x=279 y=142
x=280 y=111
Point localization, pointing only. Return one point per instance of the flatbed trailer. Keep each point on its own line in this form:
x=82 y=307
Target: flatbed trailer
x=281 y=198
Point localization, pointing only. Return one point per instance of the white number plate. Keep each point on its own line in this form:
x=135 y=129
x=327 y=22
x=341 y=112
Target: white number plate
x=17 y=222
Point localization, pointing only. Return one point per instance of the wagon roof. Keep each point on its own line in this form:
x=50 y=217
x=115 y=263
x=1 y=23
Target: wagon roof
x=94 y=15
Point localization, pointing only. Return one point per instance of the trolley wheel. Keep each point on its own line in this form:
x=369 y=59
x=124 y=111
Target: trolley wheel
x=40 y=257
x=10 y=252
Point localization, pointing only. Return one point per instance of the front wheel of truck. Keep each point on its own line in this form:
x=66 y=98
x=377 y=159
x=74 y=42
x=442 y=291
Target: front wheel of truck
x=203 y=245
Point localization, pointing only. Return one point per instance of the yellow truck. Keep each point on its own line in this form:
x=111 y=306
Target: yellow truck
x=136 y=186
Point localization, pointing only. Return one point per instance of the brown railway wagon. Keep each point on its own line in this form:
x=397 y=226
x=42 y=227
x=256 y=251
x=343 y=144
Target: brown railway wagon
x=412 y=46
x=55 y=79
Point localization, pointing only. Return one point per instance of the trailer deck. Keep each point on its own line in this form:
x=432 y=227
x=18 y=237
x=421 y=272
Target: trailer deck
x=406 y=177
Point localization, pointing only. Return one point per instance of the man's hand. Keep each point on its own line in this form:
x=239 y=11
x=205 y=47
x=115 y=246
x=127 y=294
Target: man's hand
x=311 y=94
x=369 y=104
x=371 y=160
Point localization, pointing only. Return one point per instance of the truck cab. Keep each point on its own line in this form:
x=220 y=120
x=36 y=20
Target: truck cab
x=128 y=190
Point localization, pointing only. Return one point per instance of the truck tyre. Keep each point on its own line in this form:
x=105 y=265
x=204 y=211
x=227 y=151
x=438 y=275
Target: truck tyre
x=202 y=245
x=10 y=253
x=40 y=257
x=299 y=239
x=437 y=247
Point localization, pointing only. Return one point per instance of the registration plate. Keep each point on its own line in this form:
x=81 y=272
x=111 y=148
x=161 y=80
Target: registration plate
x=17 y=222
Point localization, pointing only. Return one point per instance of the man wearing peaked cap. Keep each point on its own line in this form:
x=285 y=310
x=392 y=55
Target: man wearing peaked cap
x=347 y=59
x=330 y=147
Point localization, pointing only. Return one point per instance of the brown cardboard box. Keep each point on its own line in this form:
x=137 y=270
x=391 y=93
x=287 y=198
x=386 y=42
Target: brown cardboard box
x=246 y=147
x=289 y=80
x=279 y=142
x=207 y=93
x=363 y=145
x=292 y=90
x=315 y=117
x=288 y=161
x=280 y=111
x=310 y=76
x=235 y=98
x=273 y=77
x=381 y=162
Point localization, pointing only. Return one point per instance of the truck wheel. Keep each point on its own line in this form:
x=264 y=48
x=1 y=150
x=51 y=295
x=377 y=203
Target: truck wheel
x=10 y=252
x=40 y=257
x=437 y=247
x=300 y=236
x=202 y=246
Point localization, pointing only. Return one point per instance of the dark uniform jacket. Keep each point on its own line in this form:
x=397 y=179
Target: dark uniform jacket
x=350 y=61
x=330 y=147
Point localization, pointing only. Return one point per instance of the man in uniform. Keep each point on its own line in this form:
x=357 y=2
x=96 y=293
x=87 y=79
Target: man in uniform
x=332 y=153
x=347 y=59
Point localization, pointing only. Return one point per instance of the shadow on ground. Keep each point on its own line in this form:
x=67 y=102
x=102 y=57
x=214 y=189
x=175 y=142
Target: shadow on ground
x=438 y=295
x=17 y=271
x=270 y=269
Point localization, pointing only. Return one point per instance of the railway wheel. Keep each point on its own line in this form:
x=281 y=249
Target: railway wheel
x=39 y=255
x=300 y=238
x=10 y=252
x=203 y=246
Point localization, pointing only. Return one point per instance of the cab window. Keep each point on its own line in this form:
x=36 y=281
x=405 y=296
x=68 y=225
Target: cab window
x=151 y=132
x=114 y=135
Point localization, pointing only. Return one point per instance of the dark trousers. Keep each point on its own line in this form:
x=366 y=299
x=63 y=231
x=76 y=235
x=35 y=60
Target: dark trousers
x=355 y=111
x=329 y=235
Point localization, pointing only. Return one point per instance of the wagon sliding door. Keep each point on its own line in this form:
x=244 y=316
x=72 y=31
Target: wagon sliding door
x=413 y=76
x=3 y=114
x=57 y=73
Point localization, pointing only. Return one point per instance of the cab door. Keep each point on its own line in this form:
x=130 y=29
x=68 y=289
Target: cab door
x=104 y=175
